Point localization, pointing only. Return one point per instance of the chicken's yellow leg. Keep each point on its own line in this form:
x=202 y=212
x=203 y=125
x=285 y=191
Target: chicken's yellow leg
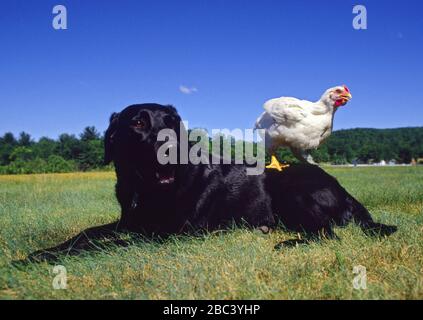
x=274 y=164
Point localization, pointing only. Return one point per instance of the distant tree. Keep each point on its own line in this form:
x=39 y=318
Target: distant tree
x=69 y=147
x=24 y=139
x=339 y=159
x=37 y=165
x=58 y=164
x=321 y=154
x=7 y=143
x=45 y=147
x=21 y=154
x=285 y=155
x=90 y=133
x=92 y=155
x=404 y=155
x=9 y=139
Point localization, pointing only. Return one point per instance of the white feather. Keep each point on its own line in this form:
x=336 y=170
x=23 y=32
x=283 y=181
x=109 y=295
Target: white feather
x=295 y=123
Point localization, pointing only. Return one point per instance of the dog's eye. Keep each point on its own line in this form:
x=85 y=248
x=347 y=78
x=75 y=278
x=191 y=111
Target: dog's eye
x=139 y=124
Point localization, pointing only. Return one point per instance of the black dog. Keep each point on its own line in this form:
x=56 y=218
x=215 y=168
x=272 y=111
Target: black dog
x=180 y=198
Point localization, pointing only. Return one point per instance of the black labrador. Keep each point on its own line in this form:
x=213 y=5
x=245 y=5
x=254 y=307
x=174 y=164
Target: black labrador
x=160 y=200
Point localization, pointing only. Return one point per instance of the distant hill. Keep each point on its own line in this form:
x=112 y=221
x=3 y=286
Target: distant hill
x=364 y=145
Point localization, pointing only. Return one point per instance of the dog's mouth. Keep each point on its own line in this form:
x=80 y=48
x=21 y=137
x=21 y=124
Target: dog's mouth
x=165 y=178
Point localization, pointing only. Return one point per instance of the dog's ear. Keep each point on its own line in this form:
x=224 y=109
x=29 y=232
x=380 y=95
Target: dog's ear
x=177 y=118
x=109 y=138
x=173 y=109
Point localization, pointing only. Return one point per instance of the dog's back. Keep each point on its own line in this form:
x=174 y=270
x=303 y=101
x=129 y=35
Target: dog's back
x=306 y=198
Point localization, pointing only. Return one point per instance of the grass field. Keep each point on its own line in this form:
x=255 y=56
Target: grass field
x=38 y=211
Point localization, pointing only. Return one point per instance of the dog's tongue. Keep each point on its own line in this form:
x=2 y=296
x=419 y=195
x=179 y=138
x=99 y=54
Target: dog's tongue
x=166 y=180
x=163 y=179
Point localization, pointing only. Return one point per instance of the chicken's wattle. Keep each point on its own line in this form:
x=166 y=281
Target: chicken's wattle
x=340 y=102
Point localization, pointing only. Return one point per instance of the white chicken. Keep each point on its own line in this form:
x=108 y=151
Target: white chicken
x=299 y=124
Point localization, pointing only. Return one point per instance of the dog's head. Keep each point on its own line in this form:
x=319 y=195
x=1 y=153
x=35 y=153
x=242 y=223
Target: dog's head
x=131 y=141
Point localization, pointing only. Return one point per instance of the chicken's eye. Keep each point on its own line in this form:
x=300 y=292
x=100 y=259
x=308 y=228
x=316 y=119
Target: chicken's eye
x=338 y=91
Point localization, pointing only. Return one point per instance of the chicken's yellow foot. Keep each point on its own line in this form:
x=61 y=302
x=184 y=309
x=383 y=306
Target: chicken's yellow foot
x=274 y=164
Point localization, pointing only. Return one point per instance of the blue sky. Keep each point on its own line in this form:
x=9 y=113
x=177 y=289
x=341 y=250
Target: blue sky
x=237 y=54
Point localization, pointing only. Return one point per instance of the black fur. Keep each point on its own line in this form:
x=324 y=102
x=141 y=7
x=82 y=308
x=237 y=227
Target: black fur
x=307 y=199
x=207 y=197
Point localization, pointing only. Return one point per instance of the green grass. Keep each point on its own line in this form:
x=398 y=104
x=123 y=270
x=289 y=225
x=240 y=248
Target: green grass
x=42 y=210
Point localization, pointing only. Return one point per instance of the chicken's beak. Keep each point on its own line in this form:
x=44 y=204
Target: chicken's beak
x=346 y=96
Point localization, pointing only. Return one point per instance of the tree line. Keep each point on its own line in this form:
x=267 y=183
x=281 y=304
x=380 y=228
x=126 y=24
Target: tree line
x=67 y=153
x=400 y=145
x=70 y=153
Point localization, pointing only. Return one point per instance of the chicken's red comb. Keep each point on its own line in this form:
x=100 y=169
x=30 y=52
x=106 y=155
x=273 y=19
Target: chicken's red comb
x=346 y=88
